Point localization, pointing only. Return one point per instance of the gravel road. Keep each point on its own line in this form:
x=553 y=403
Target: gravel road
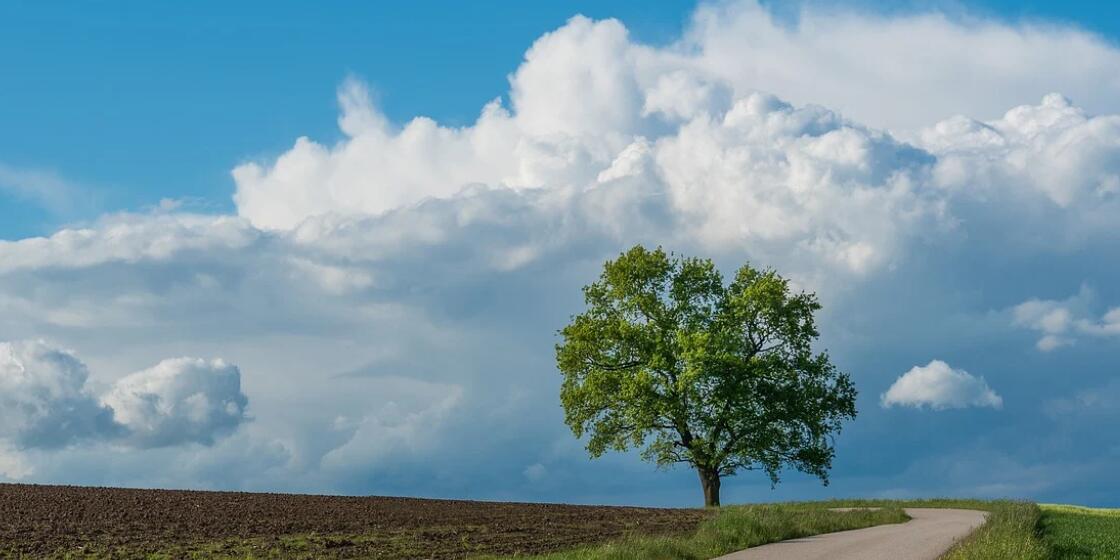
x=926 y=536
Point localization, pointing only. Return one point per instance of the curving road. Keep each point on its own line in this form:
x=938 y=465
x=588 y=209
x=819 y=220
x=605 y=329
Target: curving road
x=926 y=536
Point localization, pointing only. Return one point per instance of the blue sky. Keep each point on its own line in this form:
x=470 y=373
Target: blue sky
x=236 y=213
x=140 y=101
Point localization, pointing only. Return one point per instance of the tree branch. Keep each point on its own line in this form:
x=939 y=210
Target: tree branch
x=615 y=367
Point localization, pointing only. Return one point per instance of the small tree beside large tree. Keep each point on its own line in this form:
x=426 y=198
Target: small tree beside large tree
x=722 y=377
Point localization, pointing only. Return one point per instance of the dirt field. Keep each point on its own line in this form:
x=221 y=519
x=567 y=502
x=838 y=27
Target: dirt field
x=66 y=521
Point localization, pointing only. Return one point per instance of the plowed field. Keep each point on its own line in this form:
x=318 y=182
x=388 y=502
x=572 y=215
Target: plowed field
x=67 y=521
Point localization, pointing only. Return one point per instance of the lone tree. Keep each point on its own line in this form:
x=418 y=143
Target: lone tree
x=724 y=378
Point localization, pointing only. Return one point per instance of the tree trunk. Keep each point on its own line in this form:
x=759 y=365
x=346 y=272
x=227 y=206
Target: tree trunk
x=709 y=481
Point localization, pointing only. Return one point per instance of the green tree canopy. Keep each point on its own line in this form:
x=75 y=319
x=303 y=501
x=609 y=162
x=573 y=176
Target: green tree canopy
x=668 y=359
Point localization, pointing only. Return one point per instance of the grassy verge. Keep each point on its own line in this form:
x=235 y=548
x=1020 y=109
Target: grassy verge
x=1011 y=533
x=1074 y=532
x=735 y=528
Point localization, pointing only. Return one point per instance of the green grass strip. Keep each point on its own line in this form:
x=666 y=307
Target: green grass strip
x=735 y=528
x=1074 y=532
x=1011 y=533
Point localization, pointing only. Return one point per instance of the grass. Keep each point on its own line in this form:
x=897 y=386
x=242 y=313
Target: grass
x=1011 y=533
x=1080 y=533
x=735 y=528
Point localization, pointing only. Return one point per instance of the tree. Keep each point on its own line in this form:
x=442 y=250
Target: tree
x=723 y=378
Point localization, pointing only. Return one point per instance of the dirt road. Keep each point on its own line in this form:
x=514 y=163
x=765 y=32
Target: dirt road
x=925 y=537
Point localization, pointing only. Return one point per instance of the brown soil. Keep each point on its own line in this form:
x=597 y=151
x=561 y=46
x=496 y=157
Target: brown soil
x=56 y=521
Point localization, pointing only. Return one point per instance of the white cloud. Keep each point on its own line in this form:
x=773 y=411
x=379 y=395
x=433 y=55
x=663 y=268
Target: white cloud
x=124 y=238
x=1062 y=322
x=802 y=183
x=43 y=397
x=938 y=386
x=46 y=402
x=682 y=135
x=795 y=181
x=803 y=188
x=1055 y=148
x=581 y=81
x=902 y=71
x=376 y=168
x=180 y=400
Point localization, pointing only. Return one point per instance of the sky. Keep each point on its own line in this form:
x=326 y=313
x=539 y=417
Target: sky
x=266 y=247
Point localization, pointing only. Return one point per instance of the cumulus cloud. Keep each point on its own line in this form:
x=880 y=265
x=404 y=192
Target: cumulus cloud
x=800 y=180
x=788 y=181
x=43 y=397
x=46 y=402
x=586 y=92
x=802 y=187
x=938 y=386
x=1054 y=148
x=1062 y=322
x=901 y=71
x=682 y=135
x=377 y=168
x=125 y=238
x=180 y=400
